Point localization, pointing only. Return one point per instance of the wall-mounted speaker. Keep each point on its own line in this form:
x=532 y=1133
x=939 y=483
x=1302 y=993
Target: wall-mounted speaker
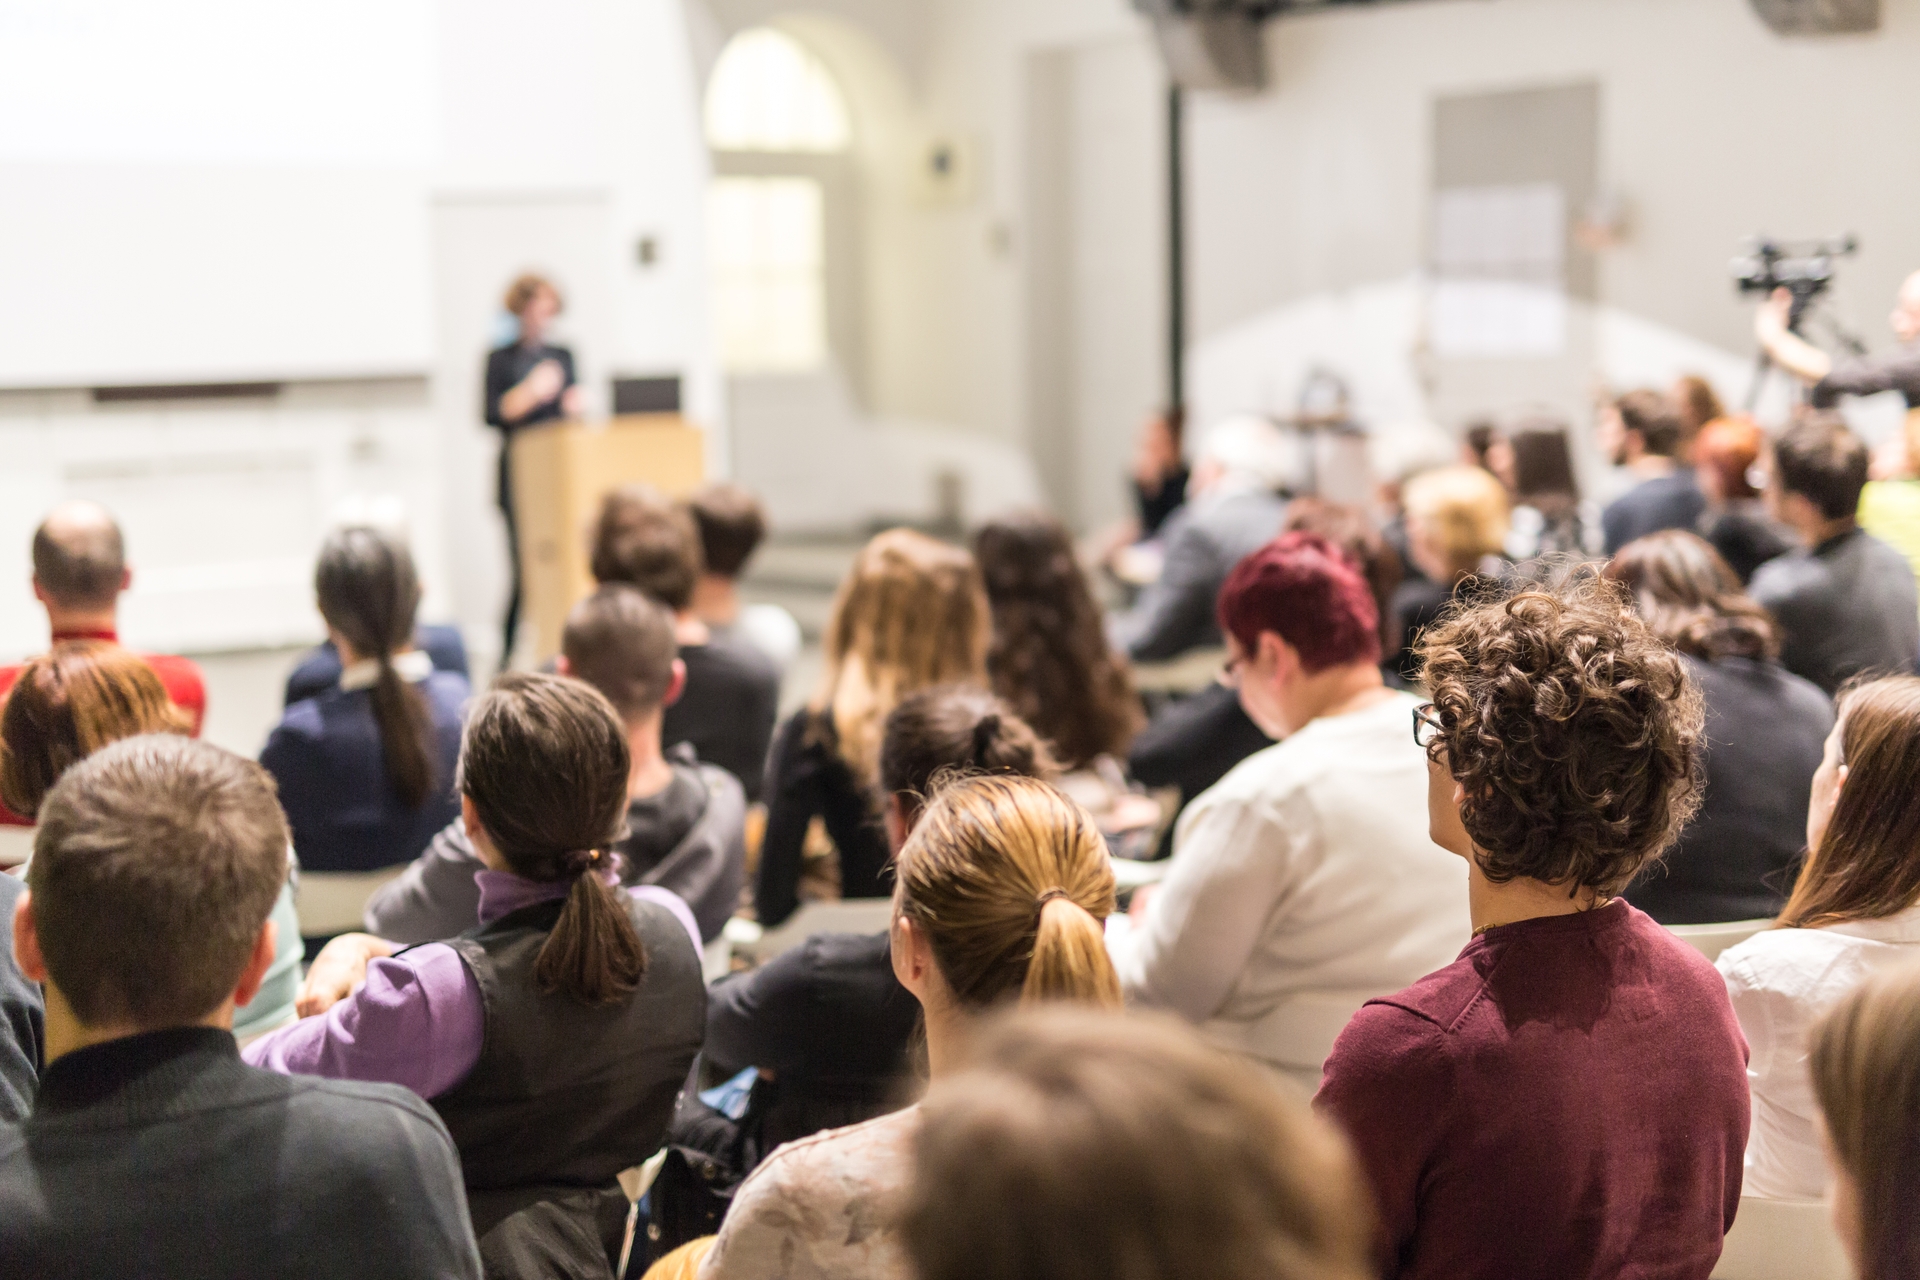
x=1209 y=46
x=1818 y=17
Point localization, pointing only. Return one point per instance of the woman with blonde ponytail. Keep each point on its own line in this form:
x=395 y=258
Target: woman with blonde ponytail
x=553 y=1039
x=1002 y=893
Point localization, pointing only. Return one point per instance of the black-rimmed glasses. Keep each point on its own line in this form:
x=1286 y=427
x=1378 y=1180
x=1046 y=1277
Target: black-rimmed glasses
x=1426 y=725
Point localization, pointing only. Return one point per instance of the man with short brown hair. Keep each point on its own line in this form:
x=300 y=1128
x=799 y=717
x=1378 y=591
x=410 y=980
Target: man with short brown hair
x=151 y=1147
x=732 y=690
x=732 y=524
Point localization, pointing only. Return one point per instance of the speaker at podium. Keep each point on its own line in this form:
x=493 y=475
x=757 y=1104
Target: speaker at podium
x=561 y=471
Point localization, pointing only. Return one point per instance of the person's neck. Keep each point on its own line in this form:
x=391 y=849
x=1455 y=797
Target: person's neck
x=1651 y=466
x=62 y=621
x=1490 y=904
x=66 y=1033
x=1337 y=691
x=652 y=771
x=1817 y=532
x=716 y=600
x=688 y=629
x=946 y=1027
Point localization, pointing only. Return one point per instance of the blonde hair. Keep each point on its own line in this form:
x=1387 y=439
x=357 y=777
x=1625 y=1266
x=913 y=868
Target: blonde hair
x=1464 y=511
x=911 y=613
x=525 y=288
x=1011 y=883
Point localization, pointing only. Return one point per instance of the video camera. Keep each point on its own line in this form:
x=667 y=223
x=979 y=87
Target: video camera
x=1803 y=268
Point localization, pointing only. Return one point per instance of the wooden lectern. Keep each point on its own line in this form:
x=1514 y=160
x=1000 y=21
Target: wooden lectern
x=560 y=474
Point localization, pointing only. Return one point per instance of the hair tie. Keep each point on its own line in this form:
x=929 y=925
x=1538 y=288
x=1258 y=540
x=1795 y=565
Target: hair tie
x=1040 y=903
x=577 y=862
x=983 y=736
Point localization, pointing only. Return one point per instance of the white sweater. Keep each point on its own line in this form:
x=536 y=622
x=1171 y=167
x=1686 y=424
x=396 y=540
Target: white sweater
x=1303 y=884
x=1781 y=981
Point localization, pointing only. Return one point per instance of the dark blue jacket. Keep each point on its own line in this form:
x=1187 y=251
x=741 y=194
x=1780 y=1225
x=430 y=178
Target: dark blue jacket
x=319 y=668
x=325 y=754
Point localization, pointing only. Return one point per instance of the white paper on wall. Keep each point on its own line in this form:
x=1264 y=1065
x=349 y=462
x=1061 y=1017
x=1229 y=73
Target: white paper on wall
x=1499 y=257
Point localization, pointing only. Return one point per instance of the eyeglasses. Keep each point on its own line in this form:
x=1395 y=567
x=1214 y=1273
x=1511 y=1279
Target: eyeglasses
x=1426 y=726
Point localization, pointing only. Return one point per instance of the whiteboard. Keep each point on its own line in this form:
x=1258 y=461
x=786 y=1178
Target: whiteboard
x=210 y=190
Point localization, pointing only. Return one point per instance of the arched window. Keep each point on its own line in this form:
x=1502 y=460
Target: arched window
x=775 y=121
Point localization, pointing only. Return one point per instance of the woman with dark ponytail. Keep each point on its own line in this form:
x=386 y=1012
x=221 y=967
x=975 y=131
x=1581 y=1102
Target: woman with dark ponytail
x=553 y=1038
x=365 y=769
x=1000 y=898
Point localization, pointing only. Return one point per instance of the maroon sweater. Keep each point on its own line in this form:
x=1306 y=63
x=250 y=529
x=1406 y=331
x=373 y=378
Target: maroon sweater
x=1567 y=1099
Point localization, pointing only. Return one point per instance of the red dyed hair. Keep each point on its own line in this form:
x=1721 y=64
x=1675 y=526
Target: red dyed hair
x=1729 y=447
x=1301 y=588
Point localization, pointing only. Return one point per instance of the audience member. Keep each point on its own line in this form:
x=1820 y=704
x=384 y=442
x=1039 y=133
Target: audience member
x=911 y=613
x=1725 y=456
x=732 y=524
x=151 y=1149
x=1049 y=657
x=23 y=1024
x=1234 y=505
x=732 y=693
x=365 y=769
x=1890 y=503
x=320 y=667
x=1764 y=730
x=1457 y=527
x=1642 y=432
x=1304 y=882
x=1395 y=455
x=1478 y=439
x=552 y=1039
x=1160 y=472
x=1862 y=1063
x=1855 y=909
x=1083 y=1146
x=79 y=571
x=1567 y=1098
x=685 y=819
x=1536 y=465
x=1697 y=404
x=827 y=1020
x=1002 y=889
x=70 y=703
x=1846 y=602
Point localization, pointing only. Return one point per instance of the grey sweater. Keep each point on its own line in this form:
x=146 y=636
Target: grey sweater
x=1846 y=608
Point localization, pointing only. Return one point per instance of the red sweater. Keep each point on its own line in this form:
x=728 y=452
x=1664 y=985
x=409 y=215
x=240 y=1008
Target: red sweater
x=1567 y=1099
x=179 y=676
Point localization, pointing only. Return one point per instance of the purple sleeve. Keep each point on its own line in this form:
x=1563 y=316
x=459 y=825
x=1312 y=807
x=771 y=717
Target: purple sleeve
x=417 y=1021
x=674 y=903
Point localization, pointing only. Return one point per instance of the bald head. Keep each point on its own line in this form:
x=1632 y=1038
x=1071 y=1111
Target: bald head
x=1906 y=310
x=79 y=561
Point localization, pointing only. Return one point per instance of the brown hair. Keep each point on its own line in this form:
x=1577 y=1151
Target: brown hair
x=1542 y=464
x=1868 y=862
x=621 y=643
x=1010 y=881
x=1696 y=402
x=1729 y=448
x=1691 y=598
x=1351 y=530
x=641 y=540
x=523 y=289
x=1077 y=1145
x=958 y=727
x=1655 y=417
x=157 y=860
x=1864 y=1057
x=79 y=557
x=731 y=523
x=1049 y=657
x=910 y=613
x=545 y=762
x=367 y=592
x=1465 y=511
x=1575 y=733
x=69 y=703
x=1824 y=462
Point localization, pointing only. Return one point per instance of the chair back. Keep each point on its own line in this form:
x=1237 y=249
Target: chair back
x=1711 y=939
x=1782 y=1240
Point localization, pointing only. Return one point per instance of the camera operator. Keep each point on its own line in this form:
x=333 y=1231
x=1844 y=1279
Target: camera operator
x=1898 y=370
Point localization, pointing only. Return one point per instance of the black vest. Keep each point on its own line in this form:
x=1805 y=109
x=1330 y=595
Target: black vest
x=567 y=1094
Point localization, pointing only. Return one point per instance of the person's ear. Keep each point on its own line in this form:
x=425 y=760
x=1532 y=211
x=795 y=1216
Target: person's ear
x=1839 y=782
x=1275 y=652
x=561 y=666
x=265 y=947
x=26 y=941
x=126 y=578
x=899 y=815
x=676 y=683
x=912 y=956
x=40 y=592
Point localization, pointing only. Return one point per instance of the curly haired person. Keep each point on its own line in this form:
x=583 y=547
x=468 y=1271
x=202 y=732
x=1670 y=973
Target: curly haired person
x=1569 y=1097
